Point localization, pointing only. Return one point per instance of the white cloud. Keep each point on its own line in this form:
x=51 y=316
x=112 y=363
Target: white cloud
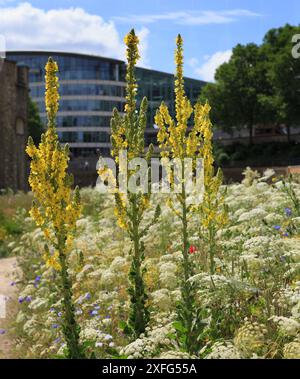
x=207 y=70
x=189 y=17
x=26 y=27
x=193 y=62
x=143 y=47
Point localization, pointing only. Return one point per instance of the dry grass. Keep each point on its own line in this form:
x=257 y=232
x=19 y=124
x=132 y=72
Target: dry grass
x=10 y=203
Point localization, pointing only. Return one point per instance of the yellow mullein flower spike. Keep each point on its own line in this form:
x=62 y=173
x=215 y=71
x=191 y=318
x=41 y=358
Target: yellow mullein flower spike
x=128 y=130
x=56 y=207
x=51 y=95
x=172 y=134
x=127 y=136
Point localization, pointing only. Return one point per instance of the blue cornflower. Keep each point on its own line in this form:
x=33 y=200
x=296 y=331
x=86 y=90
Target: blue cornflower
x=37 y=279
x=277 y=227
x=21 y=299
x=55 y=326
x=288 y=211
x=93 y=313
x=28 y=299
x=59 y=314
x=2 y=331
x=88 y=296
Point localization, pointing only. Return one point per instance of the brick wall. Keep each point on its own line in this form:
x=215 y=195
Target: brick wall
x=13 y=126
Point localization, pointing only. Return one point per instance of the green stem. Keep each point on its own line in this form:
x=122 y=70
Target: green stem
x=139 y=317
x=70 y=327
x=211 y=250
x=187 y=292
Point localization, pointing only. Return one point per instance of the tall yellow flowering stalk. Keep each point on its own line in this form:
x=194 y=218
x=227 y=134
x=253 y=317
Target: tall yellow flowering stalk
x=128 y=135
x=213 y=211
x=55 y=207
x=177 y=141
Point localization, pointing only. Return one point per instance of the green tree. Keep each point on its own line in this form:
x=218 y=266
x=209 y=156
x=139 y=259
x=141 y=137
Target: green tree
x=241 y=94
x=35 y=125
x=284 y=74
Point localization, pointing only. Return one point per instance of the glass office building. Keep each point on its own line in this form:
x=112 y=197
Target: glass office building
x=90 y=88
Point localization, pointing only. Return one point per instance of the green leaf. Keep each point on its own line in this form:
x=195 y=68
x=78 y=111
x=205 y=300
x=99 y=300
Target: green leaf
x=179 y=327
x=125 y=327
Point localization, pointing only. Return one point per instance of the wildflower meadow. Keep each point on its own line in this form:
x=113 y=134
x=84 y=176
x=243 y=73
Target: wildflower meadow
x=154 y=274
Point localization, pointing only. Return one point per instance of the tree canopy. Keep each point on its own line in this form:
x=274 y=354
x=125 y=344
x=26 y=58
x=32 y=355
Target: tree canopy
x=259 y=84
x=35 y=125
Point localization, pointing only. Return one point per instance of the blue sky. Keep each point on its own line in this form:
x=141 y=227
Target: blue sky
x=210 y=28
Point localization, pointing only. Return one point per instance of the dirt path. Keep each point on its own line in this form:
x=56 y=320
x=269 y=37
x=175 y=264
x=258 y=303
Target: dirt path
x=8 y=269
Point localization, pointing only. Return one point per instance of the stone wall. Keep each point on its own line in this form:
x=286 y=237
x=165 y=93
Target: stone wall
x=13 y=126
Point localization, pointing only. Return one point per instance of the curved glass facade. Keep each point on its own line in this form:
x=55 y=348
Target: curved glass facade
x=72 y=66
x=85 y=104
x=90 y=88
x=84 y=121
x=84 y=137
x=159 y=86
x=67 y=89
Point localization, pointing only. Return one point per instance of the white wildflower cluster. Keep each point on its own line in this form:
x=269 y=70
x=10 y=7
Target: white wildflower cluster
x=223 y=350
x=167 y=275
x=254 y=288
x=257 y=244
x=89 y=333
x=287 y=325
x=92 y=333
x=250 y=177
x=174 y=354
x=251 y=338
x=162 y=299
x=253 y=214
x=151 y=343
x=292 y=350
